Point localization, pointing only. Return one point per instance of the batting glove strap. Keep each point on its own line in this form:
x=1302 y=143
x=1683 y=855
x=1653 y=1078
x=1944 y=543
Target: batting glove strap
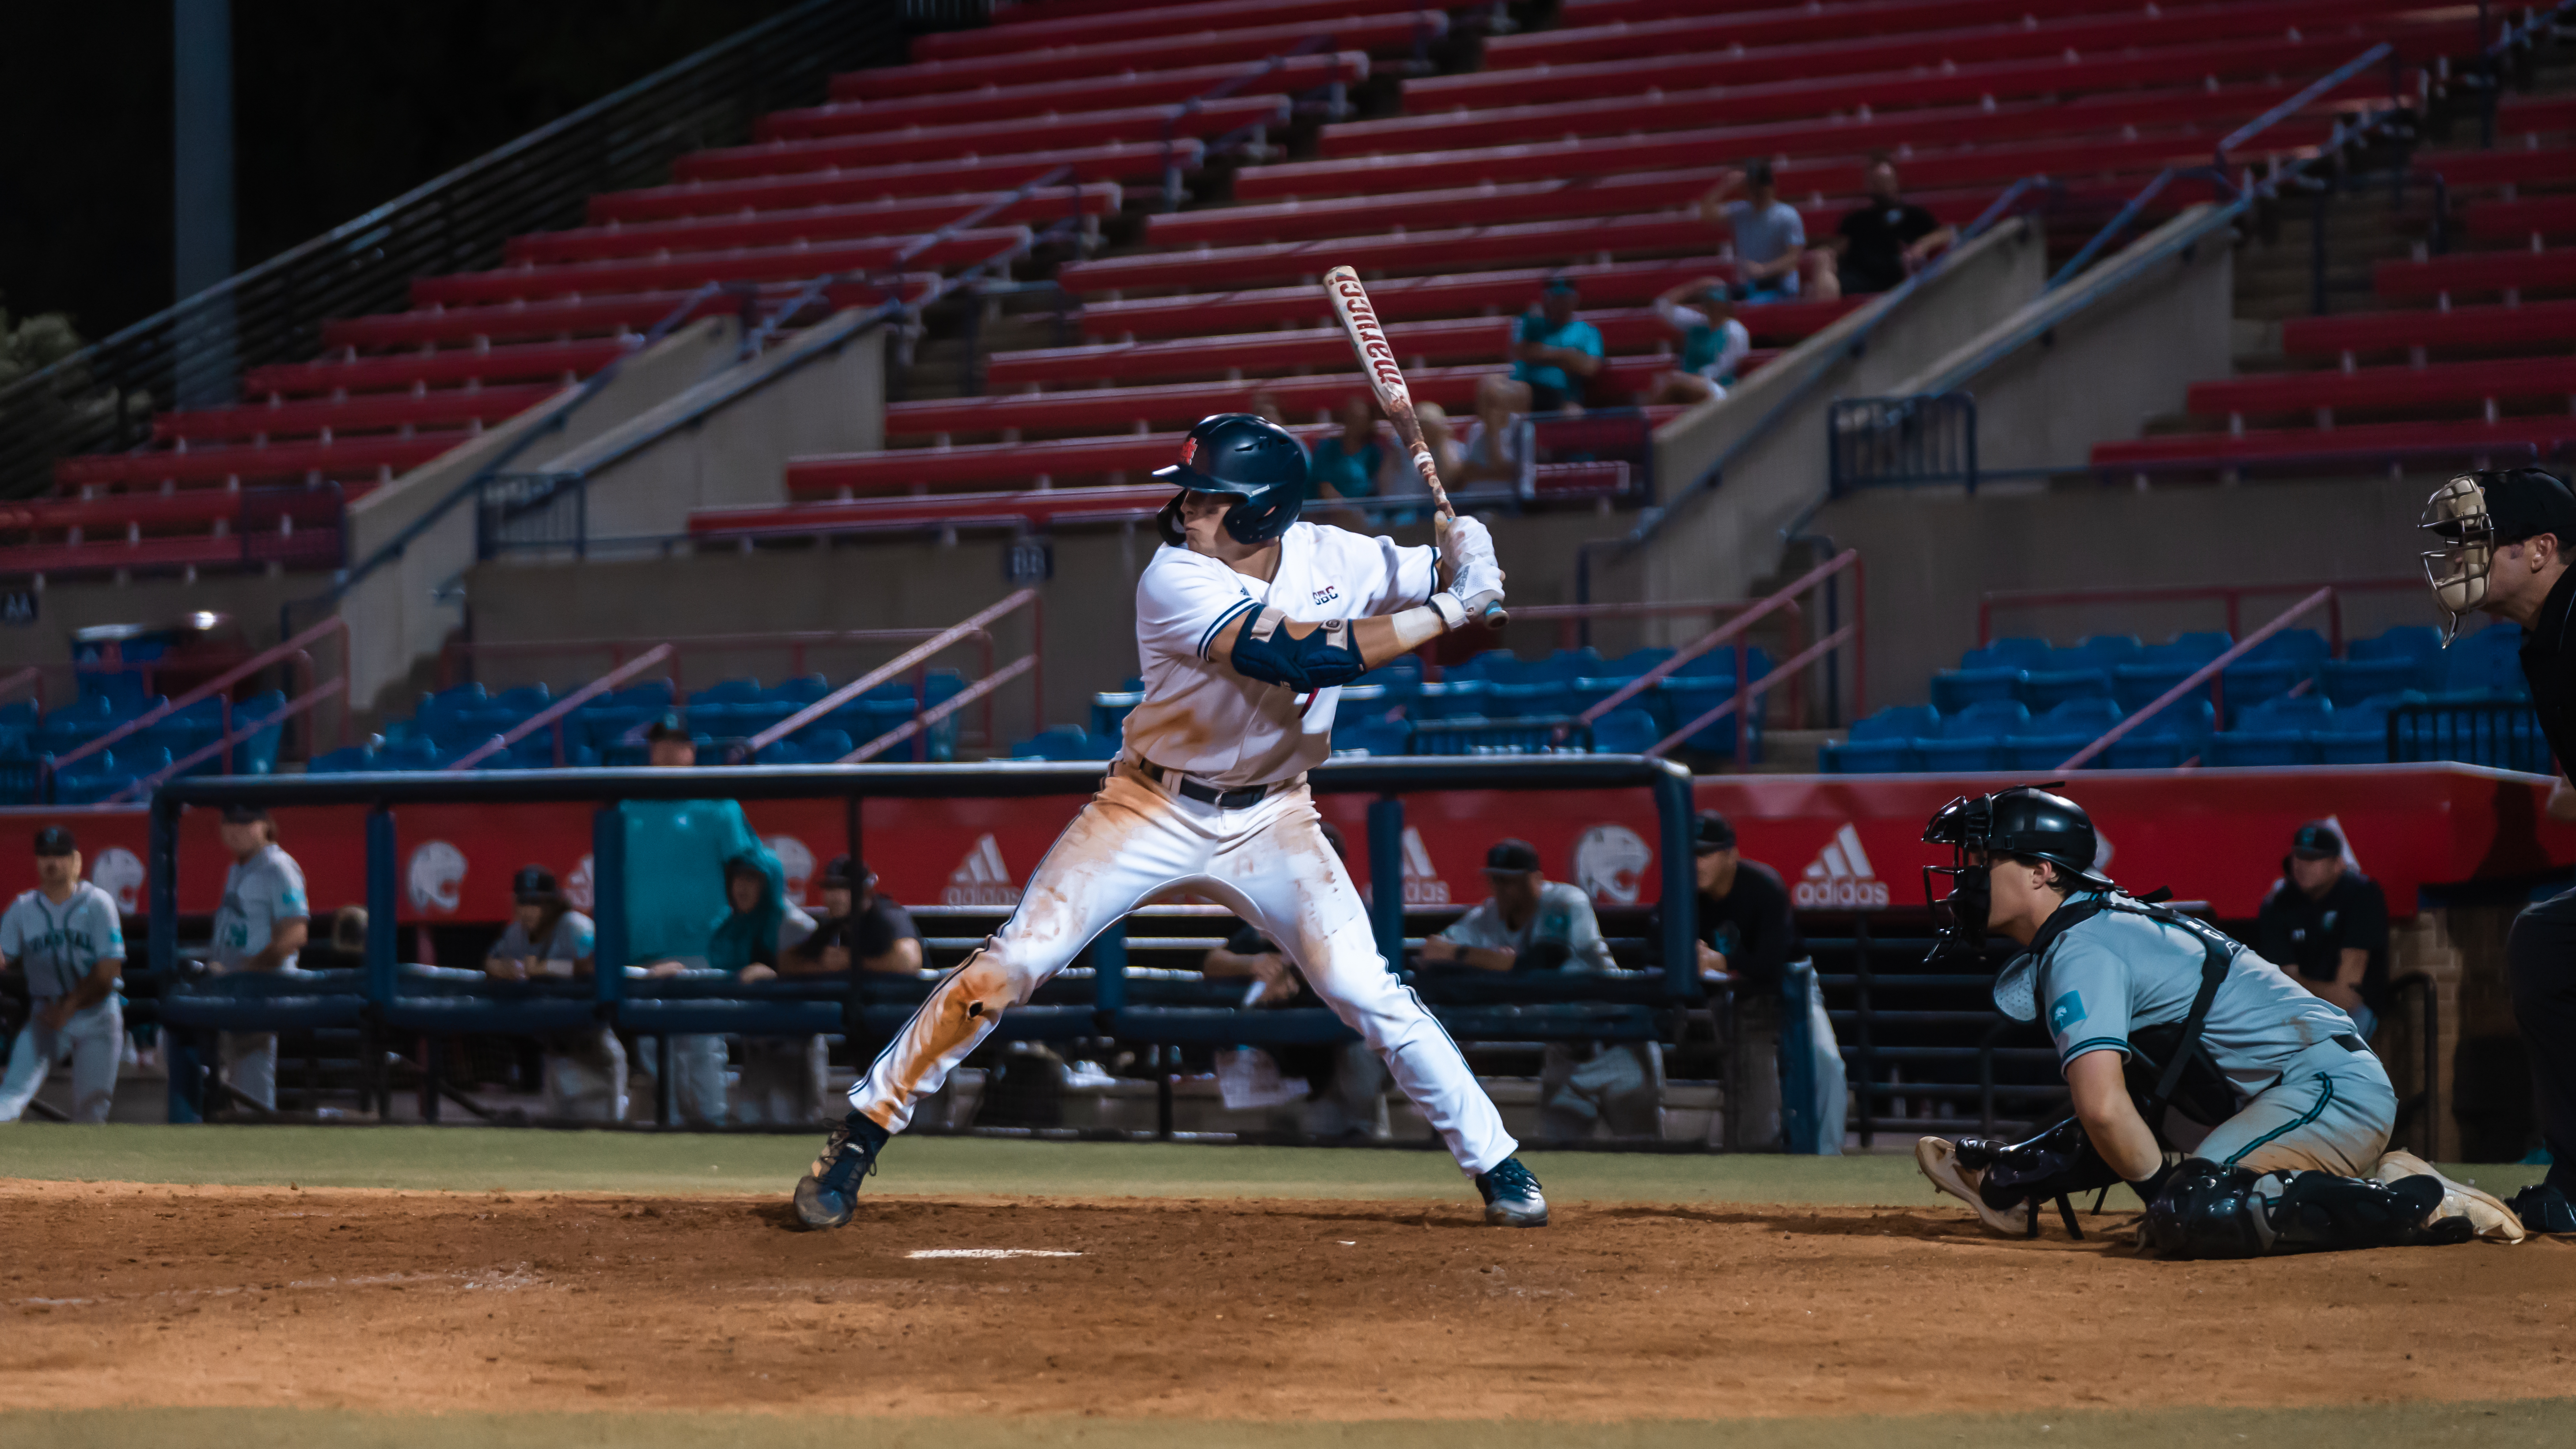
x=1453 y=614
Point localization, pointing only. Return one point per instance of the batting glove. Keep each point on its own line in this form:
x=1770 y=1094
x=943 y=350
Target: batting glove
x=1477 y=586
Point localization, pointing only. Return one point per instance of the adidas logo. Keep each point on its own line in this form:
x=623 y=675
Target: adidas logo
x=1839 y=878
x=1422 y=883
x=981 y=879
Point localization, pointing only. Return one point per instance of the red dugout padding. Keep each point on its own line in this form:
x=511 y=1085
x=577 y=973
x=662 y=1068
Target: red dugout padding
x=1412 y=299
x=446 y=407
x=2387 y=387
x=689 y=269
x=1016 y=136
x=2531 y=325
x=1162 y=20
x=789 y=226
x=1293 y=74
x=628 y=314
x=1388 y=34
x=560 y=362
x=2214 y=835
x=847 y=185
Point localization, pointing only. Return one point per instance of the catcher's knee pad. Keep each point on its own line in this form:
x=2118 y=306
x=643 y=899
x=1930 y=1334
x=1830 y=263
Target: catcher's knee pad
x=2208 y=1211
x=2059 y=1162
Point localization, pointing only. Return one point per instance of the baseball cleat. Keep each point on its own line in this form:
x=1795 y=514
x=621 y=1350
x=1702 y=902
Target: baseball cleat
x=2542 y=1208
x=1511 y=1196
x=1939 y=1159
x=2487 y=1215
x=828 y=1195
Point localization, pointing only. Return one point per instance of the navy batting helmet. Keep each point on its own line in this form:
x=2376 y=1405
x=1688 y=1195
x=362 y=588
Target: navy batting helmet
x=1250 y=457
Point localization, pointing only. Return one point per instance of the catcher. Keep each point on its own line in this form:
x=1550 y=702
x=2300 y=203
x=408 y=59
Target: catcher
x=2248 y=1114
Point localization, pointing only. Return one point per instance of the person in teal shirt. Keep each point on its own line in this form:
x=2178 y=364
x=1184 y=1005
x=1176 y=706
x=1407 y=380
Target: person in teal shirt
x=1554 y=352
x=1345 y=464
x=1714 y=343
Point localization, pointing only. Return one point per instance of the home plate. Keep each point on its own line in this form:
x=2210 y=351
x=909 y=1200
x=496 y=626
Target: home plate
x=991 y=1253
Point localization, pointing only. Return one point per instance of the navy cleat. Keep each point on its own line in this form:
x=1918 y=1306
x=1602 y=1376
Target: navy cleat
x=1511 y=1196
x=2544 y=1209
x=828 y=1195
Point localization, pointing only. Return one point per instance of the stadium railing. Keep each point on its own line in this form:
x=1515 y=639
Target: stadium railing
x=1733 y=634
x=386 y=994
x=2231 y=596
x=295 y=655
x=2198 y=677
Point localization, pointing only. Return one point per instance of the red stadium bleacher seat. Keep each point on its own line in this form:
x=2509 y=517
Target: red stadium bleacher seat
x=446 y=407
x=687 y=269
x=849 y=185
x=1445 y=249
x=2461 y=328
x=2528 y=216
x=368 y=457
x=1392 y=32
x=198 y=550
x=1018 y=135
x=1290 y=76
x=568 y=316
x=1027 y=505
x=1410 y=299
x=2509 y=438
x=2387 y=387
x=1317 y=16
x=1485 y=338
x=792 y=225
x=2532 y=166
x=2477 y=272
x=550 y=361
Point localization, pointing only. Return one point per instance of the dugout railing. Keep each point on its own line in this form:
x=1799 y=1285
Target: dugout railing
x=386 y=996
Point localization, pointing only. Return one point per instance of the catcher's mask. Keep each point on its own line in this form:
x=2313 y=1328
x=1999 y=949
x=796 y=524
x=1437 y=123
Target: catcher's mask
x=2474 y=515
x=2025 y=822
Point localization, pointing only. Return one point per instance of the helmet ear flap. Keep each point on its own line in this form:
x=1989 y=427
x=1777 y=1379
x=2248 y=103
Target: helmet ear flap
x=1168 y=522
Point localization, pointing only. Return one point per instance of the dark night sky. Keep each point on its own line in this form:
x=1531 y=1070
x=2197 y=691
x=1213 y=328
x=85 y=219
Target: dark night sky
x=337 y=107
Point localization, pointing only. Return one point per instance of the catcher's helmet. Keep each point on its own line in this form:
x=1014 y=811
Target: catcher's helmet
x=2024 y=821
x=1250 y=457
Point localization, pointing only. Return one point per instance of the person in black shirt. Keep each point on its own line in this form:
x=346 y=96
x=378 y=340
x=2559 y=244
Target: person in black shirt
x=2327 y=925
x=1345 y=1084
x=1881 y=244
x=859 y=927
x=2505 y=535
x=1746 y=937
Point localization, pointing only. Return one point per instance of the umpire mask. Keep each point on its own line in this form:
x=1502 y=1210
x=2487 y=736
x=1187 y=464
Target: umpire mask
x=2457 y=515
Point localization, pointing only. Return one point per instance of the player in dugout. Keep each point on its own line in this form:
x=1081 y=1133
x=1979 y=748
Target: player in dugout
x=860 y=927
x=2504 y=539
x=2327 y=924
x=2245 y=1112
x=66 y=936
x=584 y=1070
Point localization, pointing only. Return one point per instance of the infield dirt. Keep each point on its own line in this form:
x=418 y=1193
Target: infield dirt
x=153 y=1295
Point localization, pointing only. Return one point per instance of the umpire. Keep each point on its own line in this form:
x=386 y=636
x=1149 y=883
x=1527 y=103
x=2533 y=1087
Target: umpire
x=2505 y=536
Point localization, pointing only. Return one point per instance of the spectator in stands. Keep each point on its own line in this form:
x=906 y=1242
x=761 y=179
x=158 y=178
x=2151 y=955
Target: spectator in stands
x=1501 y=445
x=1346 y=464
x=1264 y=404
x=584 y=1070
x=1345 y=1084
x=1879 y=245
x=260 y=925
x=1554 y=353
x=1770 y=236
x=676 y=852
x=783 y=1078
x=66 y=937
x=2327 y=925
x=859 y=928
x=1714 y=344
x=1747 y=939
x=1531 y=923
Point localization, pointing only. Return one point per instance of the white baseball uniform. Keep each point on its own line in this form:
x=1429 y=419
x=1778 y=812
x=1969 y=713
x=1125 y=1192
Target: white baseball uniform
x=57 y=946
x=259 y=893
x=1266 y=860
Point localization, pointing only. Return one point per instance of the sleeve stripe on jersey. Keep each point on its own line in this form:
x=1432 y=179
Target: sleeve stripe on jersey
x=1222 y=620
x=2095 y=1043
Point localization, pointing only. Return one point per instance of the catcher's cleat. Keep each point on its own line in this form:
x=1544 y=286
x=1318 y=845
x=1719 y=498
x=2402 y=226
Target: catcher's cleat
x=1511 y=1196
x=2485 y=1213
x=828 y=1195
x=1941 y=1160
x=2544 y=1209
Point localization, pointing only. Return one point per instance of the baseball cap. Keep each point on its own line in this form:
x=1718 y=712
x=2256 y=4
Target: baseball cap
x=533 y=885
x=1561 y=286
x=1710 y=832
x=55 y=840
x=2316 y=840
x=846 y=871
x=244 y=814
x=1511 y=857
x=2522 y=502
x=671 y=726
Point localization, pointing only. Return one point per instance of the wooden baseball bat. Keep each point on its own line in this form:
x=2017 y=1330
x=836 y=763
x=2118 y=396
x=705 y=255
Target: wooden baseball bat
x=1386 y=379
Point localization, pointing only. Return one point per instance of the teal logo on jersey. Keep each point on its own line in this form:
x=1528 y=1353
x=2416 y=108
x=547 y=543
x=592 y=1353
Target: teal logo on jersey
x=2065 y=1011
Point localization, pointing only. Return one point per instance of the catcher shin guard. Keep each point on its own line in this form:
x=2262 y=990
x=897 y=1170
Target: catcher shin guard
x=2209 y=1211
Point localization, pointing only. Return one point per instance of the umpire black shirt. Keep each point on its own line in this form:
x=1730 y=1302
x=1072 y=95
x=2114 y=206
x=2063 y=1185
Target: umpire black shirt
x=2549 y=663
x=1750 y=925
x=2307 y=936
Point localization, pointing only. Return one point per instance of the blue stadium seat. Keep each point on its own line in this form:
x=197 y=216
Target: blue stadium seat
x=2486 y=661
x=525 y=700
x=1533 y=697
x=257 y=753
x=1373 y=737
x=2350 y=681
x=355 y=759
x=2172 y=736
x=800 y=691
x=2045 y=689
x=1954 y=690
x=1565 y=665
x=1064 y=742
x=1625 y=731
x=823 y=745
x=409 y=754
x=779 y=752
x=80 y=722
x=1635 y=662
x=2279 y=731
x=1973 y=738
x=1883 y=743
x=2358 y=734
x=2420 y=644
x=2160 y=667
x=730 y=691
x=652 y=694
x=2047 y=740
x=1451 y=698
x=1494 y=666
x=1109 y=711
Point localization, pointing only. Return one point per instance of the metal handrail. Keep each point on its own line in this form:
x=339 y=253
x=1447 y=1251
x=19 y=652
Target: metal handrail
x=2232 y=595
x=1725 y=707
x=221 y=683
x=556 y=711
x=940 y=711
x=973 y=624
x=231 y=736
x=2195 y=679
x=32 y=675
x=101 y=396
x=1771 y=604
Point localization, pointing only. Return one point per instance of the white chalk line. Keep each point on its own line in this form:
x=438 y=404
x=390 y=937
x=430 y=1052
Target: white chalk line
x=992 y=1253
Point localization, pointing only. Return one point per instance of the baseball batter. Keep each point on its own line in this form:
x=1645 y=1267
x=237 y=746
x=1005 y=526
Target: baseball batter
x=1247 y=622
x=66 y=937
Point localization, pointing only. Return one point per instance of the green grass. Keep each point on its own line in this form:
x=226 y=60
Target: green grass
x=478 y=1159
x=2393 y=1426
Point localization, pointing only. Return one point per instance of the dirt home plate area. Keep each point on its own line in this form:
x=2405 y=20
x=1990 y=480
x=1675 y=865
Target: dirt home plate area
x=214 y=1312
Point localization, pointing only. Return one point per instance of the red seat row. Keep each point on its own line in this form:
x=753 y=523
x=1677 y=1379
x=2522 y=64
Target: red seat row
x=401 y=371
x=1289 y=76
x=563 y=317
x=2364 y=445
x=847 y=185
x=1016 y=136
x=844 y=515
x=1215 y=15
x=365 y=458
x=916 y=215
x=2387 y=387
x=689 y=269
x=2527 y=216
x=1389 y=33
x=367 y=412
x=2309 y=53
x=1944 y=28
x=2487 y=327
x=1445 y=249
x=1413 y=299
x=1583 y=14
x=2501 y=271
